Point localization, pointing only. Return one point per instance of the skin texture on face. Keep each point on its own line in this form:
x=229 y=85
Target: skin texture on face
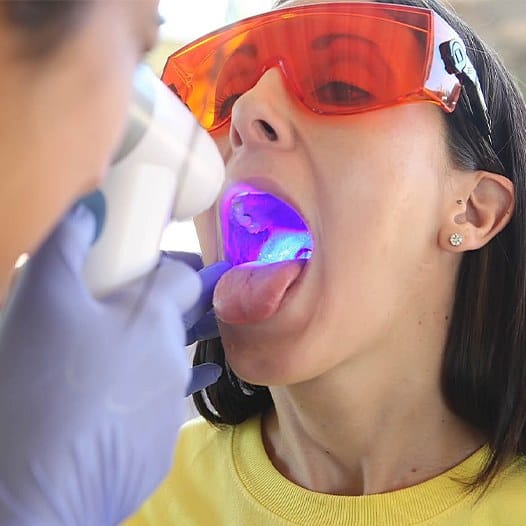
x=353 y=356
x=360 y=205
x=63 y=116
x=376 y=191
x=360 y=182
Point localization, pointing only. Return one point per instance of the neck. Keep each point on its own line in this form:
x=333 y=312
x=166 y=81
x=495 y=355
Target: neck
x=374 y=424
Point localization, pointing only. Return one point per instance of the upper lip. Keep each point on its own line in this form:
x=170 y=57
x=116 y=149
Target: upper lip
x=261 y=183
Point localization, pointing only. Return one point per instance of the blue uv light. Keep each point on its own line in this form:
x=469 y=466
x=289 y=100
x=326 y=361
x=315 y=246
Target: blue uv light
x=258 y=226
x=286 y=245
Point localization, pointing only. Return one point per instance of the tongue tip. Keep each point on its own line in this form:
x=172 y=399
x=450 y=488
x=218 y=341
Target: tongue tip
x=254 y=291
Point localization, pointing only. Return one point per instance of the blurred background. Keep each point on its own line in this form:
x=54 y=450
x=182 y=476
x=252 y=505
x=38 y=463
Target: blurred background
x=502 y=23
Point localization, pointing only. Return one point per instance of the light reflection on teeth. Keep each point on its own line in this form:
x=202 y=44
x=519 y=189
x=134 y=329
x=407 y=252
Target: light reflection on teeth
x=244 y=219
x=260 y=227
x=286 y=245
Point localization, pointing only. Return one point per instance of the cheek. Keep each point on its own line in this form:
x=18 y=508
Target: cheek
x=106 y=104
x=105 y=121
x=95 y=97
x=222 y=141
x=379 y=221
x=205 y=225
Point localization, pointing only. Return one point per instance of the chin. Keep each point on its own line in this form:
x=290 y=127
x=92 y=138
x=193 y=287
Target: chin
x=259 y=361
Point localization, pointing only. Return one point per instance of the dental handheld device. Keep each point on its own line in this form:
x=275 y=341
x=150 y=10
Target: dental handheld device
x=166 y=167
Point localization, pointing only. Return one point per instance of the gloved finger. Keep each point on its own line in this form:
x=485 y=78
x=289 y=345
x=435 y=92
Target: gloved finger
x=96 y=202
x=209 y=277
x=177 y=283
x=69 y=242
x=190 y=258
x=202 y=376
x=205 y=329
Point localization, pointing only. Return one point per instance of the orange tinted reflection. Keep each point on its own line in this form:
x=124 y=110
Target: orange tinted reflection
x=240 y=72
x=336 y=62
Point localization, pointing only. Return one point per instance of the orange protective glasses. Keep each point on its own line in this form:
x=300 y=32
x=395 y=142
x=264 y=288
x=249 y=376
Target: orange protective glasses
x=336 y=58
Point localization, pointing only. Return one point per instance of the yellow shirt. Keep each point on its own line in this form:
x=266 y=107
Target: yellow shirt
x=224 y=478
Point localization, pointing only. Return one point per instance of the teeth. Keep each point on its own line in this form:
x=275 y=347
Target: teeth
x=303 y=253
x=245 y=220
x=251 y=226
x=285 y=246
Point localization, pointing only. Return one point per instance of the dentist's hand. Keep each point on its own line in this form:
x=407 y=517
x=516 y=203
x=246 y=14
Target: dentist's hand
x=200 y=321
x=91 y=392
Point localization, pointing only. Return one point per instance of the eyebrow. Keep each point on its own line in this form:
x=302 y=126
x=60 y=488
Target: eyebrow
x=326 y=40
x=250 y=50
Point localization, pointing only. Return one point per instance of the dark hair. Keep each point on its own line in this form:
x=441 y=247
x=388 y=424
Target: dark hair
x=43 y=24
x=484 y=362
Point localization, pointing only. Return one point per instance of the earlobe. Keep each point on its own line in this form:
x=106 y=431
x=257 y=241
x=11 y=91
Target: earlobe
x=483 y=209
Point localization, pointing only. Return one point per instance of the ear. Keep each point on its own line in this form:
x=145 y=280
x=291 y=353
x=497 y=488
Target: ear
x=483 y=206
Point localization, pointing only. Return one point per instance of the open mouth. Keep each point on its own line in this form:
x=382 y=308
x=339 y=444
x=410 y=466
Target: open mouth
x=260 y=227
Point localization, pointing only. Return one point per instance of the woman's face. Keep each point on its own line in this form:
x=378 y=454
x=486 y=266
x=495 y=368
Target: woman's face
x=62 y=114
x=372 y=189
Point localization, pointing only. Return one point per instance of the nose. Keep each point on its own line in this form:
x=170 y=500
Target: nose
x=262 y=115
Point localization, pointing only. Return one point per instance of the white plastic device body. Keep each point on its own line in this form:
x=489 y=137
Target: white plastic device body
x=166 y=167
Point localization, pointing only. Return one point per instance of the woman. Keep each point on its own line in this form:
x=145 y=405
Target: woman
x=79 y=411
x=384 y=380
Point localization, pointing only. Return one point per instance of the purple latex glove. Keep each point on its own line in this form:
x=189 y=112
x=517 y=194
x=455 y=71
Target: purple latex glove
x=91 y=392
x=200 y=321
x=201 y=324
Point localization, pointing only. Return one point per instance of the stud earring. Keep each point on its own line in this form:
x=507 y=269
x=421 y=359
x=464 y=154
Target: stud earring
x=456 y=240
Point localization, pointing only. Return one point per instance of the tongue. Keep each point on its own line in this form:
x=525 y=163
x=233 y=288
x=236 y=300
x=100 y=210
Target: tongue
x=253 y=292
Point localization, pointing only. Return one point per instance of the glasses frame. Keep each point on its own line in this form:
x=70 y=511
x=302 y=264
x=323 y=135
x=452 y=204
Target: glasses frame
x=447 y=56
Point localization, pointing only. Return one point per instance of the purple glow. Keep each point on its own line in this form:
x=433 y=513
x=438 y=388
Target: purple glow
x=258 y=226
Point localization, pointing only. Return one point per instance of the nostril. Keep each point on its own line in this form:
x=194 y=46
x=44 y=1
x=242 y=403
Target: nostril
x=268 y=130
x=235 y=137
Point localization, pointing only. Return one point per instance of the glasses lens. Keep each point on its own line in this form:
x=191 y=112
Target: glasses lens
x=339 y=60
x=358 y=63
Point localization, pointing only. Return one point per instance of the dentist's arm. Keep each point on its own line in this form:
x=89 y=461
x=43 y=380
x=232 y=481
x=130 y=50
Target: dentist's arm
x=91 y=392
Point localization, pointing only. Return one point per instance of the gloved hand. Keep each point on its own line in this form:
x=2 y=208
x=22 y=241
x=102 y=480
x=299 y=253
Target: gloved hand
x=91 y=392
x=200 y=321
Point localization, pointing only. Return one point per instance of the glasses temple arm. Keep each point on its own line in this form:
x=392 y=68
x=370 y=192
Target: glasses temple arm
x=458 y=63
